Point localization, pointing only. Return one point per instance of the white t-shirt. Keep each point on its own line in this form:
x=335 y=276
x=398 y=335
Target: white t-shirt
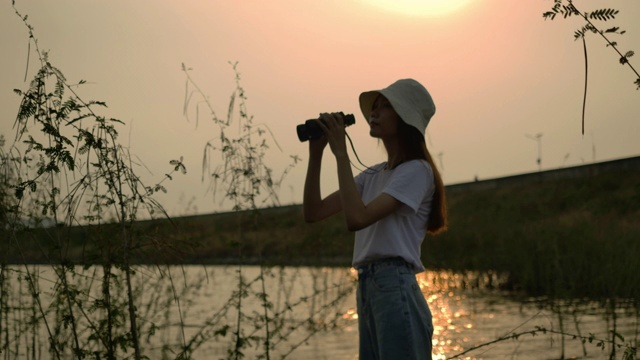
x=400 y=234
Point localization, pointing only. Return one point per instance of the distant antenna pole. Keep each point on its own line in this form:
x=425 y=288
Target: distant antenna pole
x=538 y=138
x=593 y=148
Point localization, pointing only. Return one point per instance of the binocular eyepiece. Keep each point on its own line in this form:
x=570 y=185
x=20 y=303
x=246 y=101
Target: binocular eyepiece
x=310 y=130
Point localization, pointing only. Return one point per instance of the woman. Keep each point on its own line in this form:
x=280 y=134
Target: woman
x=390 y=207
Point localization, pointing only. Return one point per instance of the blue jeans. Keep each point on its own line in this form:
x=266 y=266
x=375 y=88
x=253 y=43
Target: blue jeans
x=394 y=320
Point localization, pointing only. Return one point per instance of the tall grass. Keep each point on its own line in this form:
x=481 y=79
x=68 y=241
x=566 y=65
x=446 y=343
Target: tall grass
x=66 y=174
x=571 y=238
x=569 y=244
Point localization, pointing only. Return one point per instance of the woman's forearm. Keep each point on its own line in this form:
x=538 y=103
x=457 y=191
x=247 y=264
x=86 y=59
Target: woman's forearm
x=312 y=198
x=354 y=208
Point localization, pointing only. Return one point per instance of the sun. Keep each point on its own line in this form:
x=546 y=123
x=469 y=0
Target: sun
x=420 y=8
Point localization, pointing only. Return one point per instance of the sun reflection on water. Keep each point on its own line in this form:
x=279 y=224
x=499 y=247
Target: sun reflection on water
x=449 y=317
x=447 y=295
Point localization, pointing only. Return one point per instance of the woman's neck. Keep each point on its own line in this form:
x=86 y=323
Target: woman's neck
x=394 y=157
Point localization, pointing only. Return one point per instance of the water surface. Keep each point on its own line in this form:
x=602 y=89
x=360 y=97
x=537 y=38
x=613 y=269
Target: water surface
x=312 y=314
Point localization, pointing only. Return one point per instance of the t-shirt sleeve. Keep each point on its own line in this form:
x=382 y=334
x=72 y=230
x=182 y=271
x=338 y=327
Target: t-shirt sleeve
x=410 y=183
x=361 y=178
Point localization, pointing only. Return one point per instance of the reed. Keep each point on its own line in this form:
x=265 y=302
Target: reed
x=70 y=204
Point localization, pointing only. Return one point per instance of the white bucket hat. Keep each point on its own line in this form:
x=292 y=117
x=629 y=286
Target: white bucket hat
x=411 y=101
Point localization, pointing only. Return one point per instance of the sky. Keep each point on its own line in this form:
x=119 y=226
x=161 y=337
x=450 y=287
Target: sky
x=498 y=72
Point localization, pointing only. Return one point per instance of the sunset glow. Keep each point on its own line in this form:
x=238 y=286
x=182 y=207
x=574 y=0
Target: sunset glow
x=497 y=71
x=420 y=7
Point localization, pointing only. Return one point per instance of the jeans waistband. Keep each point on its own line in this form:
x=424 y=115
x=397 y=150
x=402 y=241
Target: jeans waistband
x=380 y=263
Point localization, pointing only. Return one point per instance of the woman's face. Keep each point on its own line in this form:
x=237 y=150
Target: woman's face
x=383 y=121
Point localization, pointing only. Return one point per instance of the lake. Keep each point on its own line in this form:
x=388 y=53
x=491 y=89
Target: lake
x=311 y=312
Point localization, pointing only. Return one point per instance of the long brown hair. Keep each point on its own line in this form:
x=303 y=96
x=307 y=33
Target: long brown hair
x=412 y=147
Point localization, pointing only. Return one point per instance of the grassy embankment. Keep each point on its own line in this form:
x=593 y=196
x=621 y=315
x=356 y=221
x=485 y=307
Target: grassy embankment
x=566 y=238
x=570 y=237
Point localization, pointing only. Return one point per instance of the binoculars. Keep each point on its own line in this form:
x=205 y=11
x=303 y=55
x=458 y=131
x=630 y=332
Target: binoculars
x=310 y=130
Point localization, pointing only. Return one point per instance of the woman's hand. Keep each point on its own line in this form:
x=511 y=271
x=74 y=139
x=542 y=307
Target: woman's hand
x=316 y=146
x=334 y=132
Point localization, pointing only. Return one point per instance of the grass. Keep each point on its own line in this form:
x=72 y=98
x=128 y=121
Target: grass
x=566 y=238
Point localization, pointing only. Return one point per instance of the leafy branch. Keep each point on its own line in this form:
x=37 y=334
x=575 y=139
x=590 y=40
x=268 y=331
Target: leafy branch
x=630 y=351
x=568 y=10
x=75 y=159
x=248 y=183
